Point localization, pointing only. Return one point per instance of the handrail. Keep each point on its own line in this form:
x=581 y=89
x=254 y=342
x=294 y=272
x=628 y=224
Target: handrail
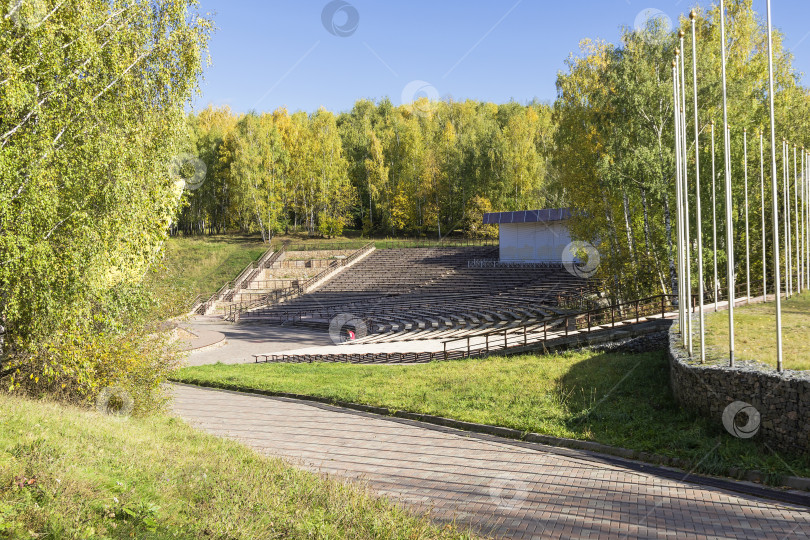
x=252 y=270
x=587 y=320
x=519 y=335
x=591 y=320
x=337 y=263
x=197 y=303
x=230 y=288
x=301 y=288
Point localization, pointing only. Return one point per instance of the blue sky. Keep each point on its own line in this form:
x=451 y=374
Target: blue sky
x=268 y=54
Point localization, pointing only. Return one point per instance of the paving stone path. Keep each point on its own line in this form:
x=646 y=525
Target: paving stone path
x=245 y=340
x=503 y=489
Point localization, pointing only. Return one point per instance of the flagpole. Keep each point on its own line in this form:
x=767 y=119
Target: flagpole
x=803 y=219
x=806 y=222
x=687 y=236
x=785 y=221
x=789 y=238
x=698 y=210
x=774 y=193
x=714 y=223
x=798 y=256
x=762 y=207
x=729 y=224
x=747 y=240
x=678 y=195
x=802 y=198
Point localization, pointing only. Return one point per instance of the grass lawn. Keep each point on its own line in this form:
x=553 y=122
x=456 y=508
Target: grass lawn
x=755 y=332
x=201 y=265
x=617 y=399
x=71 y=473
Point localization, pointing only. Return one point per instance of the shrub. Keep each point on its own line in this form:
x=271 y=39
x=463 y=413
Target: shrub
x=77 y=366
x=117 y=343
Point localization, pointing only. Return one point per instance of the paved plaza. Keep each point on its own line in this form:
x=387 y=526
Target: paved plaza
x=502 y=489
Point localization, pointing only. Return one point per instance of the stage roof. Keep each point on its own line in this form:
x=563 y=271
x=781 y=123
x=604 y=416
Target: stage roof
x=528 y=216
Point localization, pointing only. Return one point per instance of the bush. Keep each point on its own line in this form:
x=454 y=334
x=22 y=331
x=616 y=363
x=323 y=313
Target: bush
x=76 y=367
x=115 y=343
x=329 y=226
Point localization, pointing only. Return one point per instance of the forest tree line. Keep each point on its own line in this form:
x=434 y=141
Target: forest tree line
x=604 y=148
x=615 y=149
x=424 y=168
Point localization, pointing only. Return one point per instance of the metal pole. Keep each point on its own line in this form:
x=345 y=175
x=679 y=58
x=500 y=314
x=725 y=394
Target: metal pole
x=807 y=216
x=687 y=236
x=803 y=202
x=679 y=213
x=789 y=238
x=699 y=217
x=747 y=240
x=798 y=256
x=785 y=220
x=729 y=224
x=774 y=194
x=714 y=223
x=800 y=231
x=806 y=186
x=802 y=218
x=762 y=208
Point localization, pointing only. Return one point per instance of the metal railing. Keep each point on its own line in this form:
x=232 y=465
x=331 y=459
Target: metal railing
x=252 y=270
x=533 y=334
x=203 y=303
x=279 y=295
x=507 y=340
x=198 y=301
x=530 y=335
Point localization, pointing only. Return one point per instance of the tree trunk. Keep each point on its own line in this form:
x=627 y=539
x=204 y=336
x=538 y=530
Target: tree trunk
x=650 y=253
x=673 y=274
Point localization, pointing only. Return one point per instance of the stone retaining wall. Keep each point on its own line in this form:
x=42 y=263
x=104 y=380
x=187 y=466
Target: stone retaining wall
x=288 y=273
x=782 y=399
x=319 y=254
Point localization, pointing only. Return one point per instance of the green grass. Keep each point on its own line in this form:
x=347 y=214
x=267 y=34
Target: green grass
x=616 y=399
x=755 y=333
x=201 y=265
x=70 y=473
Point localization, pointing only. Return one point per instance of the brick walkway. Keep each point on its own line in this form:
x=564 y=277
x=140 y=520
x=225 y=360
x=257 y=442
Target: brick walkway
x=502 y=489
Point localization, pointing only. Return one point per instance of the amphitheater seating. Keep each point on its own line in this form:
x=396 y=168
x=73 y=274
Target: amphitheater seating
x=423 y=293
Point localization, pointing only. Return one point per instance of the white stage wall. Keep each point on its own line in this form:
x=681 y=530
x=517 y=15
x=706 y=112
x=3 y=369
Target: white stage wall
x=533 y=242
